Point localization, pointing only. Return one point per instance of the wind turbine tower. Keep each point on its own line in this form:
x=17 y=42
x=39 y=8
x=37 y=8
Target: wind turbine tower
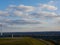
x=1 y=29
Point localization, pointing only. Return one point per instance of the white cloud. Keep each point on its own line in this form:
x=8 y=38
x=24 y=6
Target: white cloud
x=45 y=13
x=26 y=8
x=56 y=21
x=44 y=17
x=49 y=7
x=18 y=13
x=29 y=15
x=5 y=13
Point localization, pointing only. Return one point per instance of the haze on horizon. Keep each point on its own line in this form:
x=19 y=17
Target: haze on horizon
x=29 y=15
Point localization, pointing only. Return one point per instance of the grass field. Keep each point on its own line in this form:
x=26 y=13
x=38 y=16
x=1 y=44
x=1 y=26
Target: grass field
x=23 y=41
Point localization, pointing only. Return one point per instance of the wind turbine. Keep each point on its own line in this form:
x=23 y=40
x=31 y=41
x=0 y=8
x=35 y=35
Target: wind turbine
x=1 y=29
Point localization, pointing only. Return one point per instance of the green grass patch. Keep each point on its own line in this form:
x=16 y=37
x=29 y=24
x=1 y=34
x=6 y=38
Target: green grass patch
x=23 y=41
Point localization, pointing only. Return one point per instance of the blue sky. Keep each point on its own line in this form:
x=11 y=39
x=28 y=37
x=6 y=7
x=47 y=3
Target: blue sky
x=29 y=15
x=5 y=3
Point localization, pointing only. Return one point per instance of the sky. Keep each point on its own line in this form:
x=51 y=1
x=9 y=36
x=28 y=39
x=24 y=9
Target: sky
x=29 y=15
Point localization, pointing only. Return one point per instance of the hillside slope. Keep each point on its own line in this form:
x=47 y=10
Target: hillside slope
x=23 y=41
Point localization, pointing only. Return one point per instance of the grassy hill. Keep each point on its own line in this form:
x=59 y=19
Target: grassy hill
x=23 y=41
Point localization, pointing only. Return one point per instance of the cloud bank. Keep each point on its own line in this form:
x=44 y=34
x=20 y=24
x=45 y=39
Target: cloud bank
x=42 y=15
